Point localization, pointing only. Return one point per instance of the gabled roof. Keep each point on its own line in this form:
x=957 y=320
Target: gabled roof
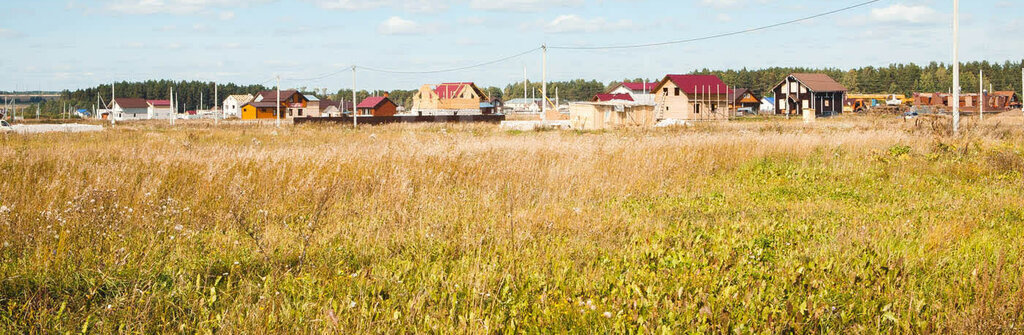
x=693 y=84
x=325 y=103
x=610 y=97
x=373 y=102
x=272 y=95
x=261 y=104
x=159 y=103
x=737 y=94
x=817 y=82
x=131 y=103
x=241 y=98
x=643 y=87
x=452 y=90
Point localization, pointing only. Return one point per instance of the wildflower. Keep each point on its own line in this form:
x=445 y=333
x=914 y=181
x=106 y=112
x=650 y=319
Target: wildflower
x=4 y=209
x=607 y=314
x=6 y=244
x=577 y=210
x=236 y=262
x=352 y=304
x=179 y=227
x=110 y=306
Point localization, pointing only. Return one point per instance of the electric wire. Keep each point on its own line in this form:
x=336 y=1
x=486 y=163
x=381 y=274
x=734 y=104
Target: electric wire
x=709 y=37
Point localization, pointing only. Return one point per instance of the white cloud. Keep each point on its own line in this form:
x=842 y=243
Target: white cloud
x=7 y=33
x=173 y=6
x=350 y=4
x=399 y=26
x=900 y=13
x=576 y=24
x=227 y=15
x=521 y=5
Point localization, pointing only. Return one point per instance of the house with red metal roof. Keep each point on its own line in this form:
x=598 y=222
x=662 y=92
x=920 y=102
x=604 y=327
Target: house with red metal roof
x=449 y=98
x=377 y=106
x=158 y=109
x=612 y=97
x=640 y=92
x=691 y=97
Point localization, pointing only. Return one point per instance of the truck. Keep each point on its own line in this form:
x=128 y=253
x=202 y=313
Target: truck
x=877 y=103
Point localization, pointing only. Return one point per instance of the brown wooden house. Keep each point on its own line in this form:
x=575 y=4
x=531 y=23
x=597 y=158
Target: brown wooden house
x=815 y=92
x=744 y=101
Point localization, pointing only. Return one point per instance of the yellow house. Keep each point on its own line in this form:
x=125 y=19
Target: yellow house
x=260 y=110
x=448 y=97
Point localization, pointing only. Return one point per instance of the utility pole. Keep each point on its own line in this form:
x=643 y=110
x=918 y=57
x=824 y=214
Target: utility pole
x=355 y=106
x=279 y=101
x=981 y=95
x=216 y=105
x=956 y=67
x=171 y=114
x=526 y=88
x=112 y=98
x=544 y=84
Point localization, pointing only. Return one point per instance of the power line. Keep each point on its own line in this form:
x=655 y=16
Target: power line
x=631 y=46
x=453 y=69
x=345 y=68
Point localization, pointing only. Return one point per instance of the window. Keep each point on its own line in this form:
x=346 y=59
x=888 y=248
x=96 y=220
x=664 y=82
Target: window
x=794 y=87
x=696 y=108
x=807 y=104
x=300 y=112
x=677 y=91
x=828 y=103
x=803 y=89
x=782 y=104
x=665 y=90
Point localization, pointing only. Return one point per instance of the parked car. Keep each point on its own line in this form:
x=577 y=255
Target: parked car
x=910 y=115
x=4 y=126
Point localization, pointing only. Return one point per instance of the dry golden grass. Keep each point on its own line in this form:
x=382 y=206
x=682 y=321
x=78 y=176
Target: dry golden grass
x=855 y=224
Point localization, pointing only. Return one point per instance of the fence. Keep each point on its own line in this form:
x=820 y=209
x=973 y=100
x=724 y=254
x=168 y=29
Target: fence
x=376 y=120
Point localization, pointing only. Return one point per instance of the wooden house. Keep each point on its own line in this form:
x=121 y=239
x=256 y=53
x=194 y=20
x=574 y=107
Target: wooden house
x=611 y=115
x=377 y=106
x=691 y=97
x=811 y=92
x=448 y=98
x=744 y=101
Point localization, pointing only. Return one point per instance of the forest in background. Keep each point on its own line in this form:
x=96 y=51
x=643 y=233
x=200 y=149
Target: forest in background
x=895 y=78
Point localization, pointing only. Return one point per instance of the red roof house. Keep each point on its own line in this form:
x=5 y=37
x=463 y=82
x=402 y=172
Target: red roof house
x=377 y=106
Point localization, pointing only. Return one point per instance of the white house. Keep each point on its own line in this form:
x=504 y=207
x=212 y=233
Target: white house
x=641 y=92
x=158 y=109
x=768 y=105
x=129 y=109
x=233 y=104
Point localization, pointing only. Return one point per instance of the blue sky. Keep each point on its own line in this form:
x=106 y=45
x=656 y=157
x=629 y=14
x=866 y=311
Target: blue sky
x=57 y=44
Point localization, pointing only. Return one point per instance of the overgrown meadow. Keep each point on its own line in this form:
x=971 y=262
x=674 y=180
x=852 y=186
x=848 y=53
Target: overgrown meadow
x=850 y=225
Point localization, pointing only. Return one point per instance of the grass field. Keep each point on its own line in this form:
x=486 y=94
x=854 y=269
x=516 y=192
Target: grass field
x=850 y=225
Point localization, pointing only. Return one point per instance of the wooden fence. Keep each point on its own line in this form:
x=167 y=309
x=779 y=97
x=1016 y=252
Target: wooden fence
x=376 y=120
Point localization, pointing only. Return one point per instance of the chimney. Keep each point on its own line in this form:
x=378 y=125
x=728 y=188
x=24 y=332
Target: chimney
x=386 y=94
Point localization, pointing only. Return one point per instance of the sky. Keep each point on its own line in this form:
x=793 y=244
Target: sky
x=69 y=44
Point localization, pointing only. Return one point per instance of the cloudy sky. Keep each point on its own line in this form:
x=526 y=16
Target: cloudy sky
x=57 y=44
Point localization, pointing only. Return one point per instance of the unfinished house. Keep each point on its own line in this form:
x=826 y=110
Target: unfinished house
x=639 y=92
x=691 y=98
x=448 y=99
x=611 y=115
x=814 y=93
